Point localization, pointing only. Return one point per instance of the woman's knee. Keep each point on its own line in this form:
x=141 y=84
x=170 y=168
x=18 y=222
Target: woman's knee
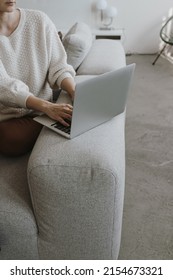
x=6 y=139
x=17 y=137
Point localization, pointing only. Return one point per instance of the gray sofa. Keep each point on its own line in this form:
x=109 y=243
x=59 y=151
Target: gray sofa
x=65 y=199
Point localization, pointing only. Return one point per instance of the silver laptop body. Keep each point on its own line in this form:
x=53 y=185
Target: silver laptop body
x=96 y=101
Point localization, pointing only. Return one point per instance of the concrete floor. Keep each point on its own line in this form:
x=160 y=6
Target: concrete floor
x=148 y=207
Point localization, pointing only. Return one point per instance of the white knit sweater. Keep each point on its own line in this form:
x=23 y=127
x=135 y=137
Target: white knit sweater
x=32 y=61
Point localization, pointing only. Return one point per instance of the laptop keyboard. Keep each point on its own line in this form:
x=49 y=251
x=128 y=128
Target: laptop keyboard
x=62 y=127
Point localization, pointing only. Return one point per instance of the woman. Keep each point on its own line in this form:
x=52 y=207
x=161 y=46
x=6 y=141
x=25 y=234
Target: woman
x=32 y=63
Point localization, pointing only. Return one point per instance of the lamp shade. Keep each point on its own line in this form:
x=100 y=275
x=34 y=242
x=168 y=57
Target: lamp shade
x=111 y=11
x=101 y=4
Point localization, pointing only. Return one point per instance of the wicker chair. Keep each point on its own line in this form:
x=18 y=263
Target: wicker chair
x=166 y=36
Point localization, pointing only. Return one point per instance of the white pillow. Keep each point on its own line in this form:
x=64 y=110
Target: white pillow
x=77 y=43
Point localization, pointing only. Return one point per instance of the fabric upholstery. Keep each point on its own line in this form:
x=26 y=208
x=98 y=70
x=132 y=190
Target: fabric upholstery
x=105 y=55
x=77 y=43
x=77 y=190
x=18 y=230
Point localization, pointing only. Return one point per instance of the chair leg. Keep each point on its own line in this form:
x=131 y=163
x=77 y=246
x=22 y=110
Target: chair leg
x=159 y=55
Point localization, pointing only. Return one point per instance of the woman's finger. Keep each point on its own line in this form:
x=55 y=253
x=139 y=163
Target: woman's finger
x=63 y=121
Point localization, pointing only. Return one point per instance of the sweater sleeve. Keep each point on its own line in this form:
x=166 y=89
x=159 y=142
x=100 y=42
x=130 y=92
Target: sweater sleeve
x=58 y=67
x=13 y=92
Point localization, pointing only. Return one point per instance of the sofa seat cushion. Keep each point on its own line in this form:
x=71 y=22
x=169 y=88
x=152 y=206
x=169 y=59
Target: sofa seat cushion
x=18 y=230
x=77 y=43
x=104 y=56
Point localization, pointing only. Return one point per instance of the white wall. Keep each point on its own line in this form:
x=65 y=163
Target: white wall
x=141 y=19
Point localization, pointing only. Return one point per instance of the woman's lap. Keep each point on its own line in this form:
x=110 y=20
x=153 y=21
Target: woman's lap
x=18 y=136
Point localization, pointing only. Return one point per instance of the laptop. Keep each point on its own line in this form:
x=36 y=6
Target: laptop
x=96 y=101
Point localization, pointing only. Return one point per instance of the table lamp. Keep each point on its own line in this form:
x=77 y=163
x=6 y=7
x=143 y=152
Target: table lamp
x=101 y=6
x=107 y=14
x=110 y=12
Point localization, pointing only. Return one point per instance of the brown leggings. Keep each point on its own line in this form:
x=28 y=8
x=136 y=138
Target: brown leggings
x=18 y=136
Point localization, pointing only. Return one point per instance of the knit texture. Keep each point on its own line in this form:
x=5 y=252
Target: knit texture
x=32 y=62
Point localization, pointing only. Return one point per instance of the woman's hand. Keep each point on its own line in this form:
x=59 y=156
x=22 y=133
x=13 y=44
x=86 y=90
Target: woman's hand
x=58 y=112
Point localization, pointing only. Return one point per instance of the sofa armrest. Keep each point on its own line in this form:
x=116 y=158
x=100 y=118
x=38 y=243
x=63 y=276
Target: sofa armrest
x=105 y=55
x=77 y=190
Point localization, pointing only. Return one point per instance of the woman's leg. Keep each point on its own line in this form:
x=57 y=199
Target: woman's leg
x=18 y=136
